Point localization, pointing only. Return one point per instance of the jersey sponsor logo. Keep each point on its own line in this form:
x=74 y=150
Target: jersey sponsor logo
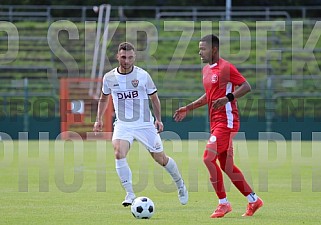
x=127 y=95
x=116 y=85
x=214 y=78
x=135 y=82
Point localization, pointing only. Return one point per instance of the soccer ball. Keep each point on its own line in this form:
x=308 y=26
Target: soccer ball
x=142 y=208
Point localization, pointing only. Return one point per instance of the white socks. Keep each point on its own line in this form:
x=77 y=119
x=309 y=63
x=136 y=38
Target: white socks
x=172 y=169
x=124 y=174
x=223 y=201
x=252 y=197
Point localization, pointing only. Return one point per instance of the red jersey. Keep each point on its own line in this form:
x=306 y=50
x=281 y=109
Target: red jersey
x=220 y=79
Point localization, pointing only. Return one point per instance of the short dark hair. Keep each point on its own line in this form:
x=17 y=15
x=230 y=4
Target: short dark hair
x=127 y=46
x=211 y=39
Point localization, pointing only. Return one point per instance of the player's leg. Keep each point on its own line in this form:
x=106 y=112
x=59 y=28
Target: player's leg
x=152 y=141
x=171 y=167
x=210 y=160
x=227 y=164
x=234 y=173
x=216 y=177
x=121 y=143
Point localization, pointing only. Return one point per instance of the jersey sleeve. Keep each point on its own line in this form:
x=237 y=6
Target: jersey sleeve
x=235 y=76
x=105 y=88
x=150 y=86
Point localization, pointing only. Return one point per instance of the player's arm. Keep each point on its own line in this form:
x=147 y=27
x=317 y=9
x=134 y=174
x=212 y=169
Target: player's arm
x=157 y=111
x=181 y=113
x=239 y=92
x=102 y=106
x=242 y=90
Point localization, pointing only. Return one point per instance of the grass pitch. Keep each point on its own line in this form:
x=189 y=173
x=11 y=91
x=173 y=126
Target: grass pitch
x=57 y=182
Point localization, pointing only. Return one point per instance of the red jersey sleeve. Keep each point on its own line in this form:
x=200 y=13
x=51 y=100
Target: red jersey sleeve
x=236 y=77
x=229 y=74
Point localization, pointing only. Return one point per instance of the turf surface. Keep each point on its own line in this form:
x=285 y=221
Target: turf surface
x=55 y=182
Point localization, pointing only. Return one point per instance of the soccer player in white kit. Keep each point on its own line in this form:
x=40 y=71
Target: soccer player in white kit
x=131 y=88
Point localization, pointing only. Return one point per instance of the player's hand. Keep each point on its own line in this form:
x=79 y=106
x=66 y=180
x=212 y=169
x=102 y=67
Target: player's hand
x=180 y=114
x=218 y=103
x=159 y=126
x=98 y=126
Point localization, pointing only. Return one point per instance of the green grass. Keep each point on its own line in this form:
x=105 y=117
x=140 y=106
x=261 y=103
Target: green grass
x=81 y=186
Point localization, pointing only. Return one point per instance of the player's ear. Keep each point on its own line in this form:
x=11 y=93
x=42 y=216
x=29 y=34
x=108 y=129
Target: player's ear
x=215 y=49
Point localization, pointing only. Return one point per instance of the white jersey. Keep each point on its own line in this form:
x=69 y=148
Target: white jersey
x=130 y=96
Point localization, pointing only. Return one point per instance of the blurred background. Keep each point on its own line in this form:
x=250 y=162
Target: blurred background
x=53 y=55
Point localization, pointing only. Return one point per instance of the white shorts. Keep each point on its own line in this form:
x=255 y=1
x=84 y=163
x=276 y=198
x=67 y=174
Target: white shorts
x=147 y=136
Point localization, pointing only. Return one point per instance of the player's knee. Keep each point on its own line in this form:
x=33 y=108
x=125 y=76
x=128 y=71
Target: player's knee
x=118 y=155
x=210 y=156
x=224 y=169
x=206 y=159
x=161 y=159
x=226 y=163
x=119 y=152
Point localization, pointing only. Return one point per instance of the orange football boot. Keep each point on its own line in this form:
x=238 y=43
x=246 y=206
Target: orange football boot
x=221 y=210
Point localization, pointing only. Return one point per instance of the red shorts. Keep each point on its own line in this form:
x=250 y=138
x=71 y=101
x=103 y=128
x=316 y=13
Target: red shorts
x=221 y=138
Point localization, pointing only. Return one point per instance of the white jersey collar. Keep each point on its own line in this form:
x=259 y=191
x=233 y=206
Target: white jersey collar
x=213 y=65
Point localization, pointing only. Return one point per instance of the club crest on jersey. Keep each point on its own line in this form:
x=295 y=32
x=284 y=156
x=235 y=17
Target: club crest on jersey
x=135 y=83
x=214 y=78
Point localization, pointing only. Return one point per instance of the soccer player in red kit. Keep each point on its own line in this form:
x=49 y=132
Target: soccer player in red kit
x=223 y=84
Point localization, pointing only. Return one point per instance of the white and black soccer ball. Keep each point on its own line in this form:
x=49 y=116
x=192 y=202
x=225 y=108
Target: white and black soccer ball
x=142 y=208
